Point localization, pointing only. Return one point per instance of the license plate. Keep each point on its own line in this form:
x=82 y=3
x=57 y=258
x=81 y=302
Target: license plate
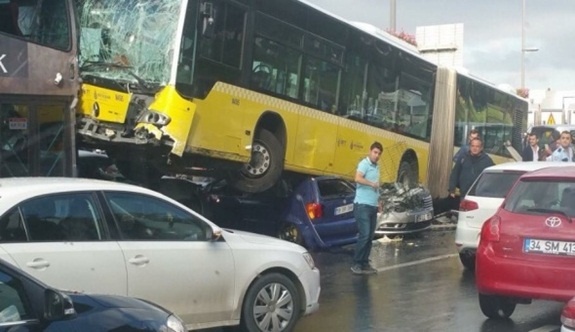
x=423 y=217
x=549 y=247
x=343 y=209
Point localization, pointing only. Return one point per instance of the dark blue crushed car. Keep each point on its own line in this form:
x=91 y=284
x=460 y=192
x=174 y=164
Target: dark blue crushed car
x=316 y=212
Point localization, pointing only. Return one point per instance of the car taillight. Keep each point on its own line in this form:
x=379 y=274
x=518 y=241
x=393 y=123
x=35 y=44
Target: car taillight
x=314 y=210
x=467 y=205
x=568 y=315
x=492 y=228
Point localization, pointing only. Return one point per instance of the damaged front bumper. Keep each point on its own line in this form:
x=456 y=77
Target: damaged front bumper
x=164 y=119
x=91 y=128
x=404 y=210
x=403 y=222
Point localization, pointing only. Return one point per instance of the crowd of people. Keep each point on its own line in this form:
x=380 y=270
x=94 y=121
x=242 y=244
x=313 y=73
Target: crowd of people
x=470 y=160
x=559 y=148
x=468 y=163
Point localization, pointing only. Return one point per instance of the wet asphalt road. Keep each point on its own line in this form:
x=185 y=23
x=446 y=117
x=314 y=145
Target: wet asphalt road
x=421 y=286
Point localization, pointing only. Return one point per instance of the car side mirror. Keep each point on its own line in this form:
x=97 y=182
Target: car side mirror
x=57 y=305
x=215 y=233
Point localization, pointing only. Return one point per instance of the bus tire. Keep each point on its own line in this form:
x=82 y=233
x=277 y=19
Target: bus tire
x=406 y=174
x=265 y=166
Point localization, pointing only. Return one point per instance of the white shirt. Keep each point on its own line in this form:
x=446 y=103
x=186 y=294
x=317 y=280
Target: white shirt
x=535 y=153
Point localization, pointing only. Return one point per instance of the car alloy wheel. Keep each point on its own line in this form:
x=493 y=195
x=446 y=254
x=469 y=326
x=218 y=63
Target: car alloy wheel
x=272 y=304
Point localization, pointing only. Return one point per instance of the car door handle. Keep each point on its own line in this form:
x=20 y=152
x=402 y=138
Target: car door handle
x=139 y=260
x=38 y=264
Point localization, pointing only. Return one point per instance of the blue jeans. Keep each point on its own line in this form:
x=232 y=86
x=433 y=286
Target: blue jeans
x=366 y=219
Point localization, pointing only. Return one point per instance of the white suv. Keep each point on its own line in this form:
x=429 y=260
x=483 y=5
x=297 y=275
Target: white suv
x=484 y=198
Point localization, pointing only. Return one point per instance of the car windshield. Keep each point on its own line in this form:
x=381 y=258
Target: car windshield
x=496 y=185
x=542 y=196
x=128 y=40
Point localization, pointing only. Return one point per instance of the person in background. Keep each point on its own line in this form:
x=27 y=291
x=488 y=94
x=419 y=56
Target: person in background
x=473 y=133
x=366 y=206
x=531 y=151
x=564 y=152
x=553 y=144
x=468 y=168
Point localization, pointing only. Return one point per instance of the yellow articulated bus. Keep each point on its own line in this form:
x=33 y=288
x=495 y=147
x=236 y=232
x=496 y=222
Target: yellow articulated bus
x=250 y=89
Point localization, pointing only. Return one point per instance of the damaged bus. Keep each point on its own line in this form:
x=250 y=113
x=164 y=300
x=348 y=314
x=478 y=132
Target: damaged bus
x=39 y=84
x=249 y=89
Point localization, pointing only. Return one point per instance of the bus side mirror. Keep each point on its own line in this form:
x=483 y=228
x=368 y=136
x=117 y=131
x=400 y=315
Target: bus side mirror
x=208 y=19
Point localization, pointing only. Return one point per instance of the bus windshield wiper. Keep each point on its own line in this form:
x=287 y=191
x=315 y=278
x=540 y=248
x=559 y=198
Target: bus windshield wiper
x=542 y=210
x=141 y=82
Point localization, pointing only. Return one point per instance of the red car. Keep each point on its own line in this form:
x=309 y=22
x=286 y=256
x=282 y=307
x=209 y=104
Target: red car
x=527 y=249
x=568 y=317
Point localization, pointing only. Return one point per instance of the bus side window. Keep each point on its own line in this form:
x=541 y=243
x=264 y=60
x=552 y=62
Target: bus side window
x=320 y=84
x=9 y=18
x=51 y=27
x=274 y=68
x=224 y=45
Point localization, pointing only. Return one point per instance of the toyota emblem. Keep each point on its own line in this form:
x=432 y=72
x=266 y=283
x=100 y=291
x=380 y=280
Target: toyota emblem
x=553 y=221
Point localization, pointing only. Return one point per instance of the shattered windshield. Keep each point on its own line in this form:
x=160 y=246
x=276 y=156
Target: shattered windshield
x=128 y=40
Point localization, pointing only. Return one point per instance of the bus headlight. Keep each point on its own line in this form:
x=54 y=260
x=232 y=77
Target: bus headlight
x=153 y=118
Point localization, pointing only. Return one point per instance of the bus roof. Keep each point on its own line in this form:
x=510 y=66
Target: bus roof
x=394 y=41
x=372 y=30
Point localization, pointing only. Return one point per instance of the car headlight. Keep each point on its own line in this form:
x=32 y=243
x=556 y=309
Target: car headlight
x=309 y=260
x=175 y=324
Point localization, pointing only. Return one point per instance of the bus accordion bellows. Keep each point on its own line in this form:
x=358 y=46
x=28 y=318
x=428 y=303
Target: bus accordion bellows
x=249 y=89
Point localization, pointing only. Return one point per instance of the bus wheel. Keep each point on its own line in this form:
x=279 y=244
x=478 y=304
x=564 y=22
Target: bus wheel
x=265 y=166
x=406 y=175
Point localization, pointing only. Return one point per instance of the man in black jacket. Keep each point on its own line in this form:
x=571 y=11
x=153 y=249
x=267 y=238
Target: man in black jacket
x=468 y=168
x=531 y=151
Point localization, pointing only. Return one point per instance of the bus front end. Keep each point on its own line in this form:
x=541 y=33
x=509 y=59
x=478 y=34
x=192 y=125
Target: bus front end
x=129 y=105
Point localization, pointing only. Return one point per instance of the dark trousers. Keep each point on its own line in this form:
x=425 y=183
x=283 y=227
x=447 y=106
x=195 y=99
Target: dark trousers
x=445 y=205
x=366 y=219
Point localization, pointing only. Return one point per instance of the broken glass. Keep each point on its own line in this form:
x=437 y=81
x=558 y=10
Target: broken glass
x=129 y=34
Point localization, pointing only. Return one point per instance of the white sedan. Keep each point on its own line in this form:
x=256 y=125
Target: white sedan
x=108 y=237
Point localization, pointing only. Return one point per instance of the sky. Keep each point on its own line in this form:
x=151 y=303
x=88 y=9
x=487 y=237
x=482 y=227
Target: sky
x=491 y=34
